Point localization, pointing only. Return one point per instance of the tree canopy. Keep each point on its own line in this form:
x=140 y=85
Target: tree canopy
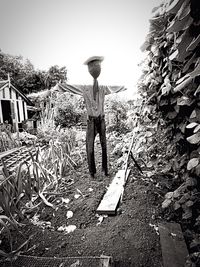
x=25 y=77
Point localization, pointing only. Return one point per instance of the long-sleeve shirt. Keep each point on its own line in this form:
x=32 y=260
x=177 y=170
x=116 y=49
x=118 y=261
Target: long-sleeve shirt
x=94 y=108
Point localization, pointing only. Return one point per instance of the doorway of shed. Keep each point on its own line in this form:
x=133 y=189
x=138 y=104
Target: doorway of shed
x=6 y=111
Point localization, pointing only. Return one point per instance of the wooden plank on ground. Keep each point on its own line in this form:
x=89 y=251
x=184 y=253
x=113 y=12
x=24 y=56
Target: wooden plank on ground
x=110 y=201
x=174 y=249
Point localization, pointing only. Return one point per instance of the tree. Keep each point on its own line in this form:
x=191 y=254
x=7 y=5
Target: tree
x=24 y=76
x=54 y=75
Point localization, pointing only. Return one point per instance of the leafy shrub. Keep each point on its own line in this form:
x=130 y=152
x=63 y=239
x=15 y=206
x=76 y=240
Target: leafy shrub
x=68 y=110
x=67 y=116
x=116 y=110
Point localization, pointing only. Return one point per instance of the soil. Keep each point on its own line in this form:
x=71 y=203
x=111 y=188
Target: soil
x=129 y=236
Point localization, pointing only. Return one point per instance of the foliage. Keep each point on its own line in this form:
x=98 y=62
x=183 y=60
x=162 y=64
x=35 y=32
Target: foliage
x=22 y=73
x=25 y=77
x=24 y=138
x=7 y=140
x=171 y=84
x=69 y=110
x=116 y=111
x=54 y=75
x=40 y=98
x=42 y=173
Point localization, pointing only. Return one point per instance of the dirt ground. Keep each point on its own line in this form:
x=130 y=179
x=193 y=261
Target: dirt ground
x=129 y=237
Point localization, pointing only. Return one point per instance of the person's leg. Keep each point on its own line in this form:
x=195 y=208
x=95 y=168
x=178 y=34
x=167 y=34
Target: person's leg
x=102 y=134
x=90 y=136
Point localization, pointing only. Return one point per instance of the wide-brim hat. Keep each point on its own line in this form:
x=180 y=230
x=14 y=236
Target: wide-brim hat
x=95 y=58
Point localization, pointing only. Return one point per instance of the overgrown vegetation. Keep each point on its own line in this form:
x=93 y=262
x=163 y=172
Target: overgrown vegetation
x=6 y=139
x=171 y=84
x=116 y=110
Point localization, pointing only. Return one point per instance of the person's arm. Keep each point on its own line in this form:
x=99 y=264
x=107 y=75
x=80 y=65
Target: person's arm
x=68 y=88
x=114 y=89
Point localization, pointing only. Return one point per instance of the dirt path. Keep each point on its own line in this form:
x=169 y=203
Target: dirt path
x=127 y=237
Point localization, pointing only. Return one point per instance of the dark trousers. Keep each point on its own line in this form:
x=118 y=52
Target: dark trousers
x=96 y=125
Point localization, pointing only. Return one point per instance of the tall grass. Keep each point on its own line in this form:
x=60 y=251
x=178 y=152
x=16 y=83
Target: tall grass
x=6 y=139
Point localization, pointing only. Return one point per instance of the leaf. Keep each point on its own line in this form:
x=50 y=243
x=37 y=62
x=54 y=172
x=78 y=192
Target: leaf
x=196 y=129
x=177 y=109
x=191 y=182
x=189 y=62
x=166 y=90
x=195 y=72
x=46 y=201
x=197 y=170
x=178 y=25
x=197 y=91
x=187 y=214
x=189 y=203
x=194 y=139
x=184 y=101
x=184 y=10
x=192 y=163
x=171 y=115
x=174 y=55
x=183 y=84
x=164 y=102
x=194 y=43
x=185 y=40
x=166 y=203
x=174 y=6
x=192 y=125
x=177 y=206
x=195 y=114
x=169 y=195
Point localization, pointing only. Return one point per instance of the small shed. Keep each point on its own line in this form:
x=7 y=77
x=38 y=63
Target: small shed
x=13 y=105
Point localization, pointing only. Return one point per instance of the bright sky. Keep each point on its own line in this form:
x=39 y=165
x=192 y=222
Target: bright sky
x=67 y=32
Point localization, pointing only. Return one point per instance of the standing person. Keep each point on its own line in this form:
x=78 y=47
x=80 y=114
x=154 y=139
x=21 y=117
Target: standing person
x=94 y=96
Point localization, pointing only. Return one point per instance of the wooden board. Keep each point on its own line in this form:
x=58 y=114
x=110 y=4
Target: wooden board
x=111 y=198
x=174 y=250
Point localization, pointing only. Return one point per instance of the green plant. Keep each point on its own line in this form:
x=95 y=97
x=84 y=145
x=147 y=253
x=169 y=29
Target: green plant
x=7 y=141
x=117 y=115
x=5 y=223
